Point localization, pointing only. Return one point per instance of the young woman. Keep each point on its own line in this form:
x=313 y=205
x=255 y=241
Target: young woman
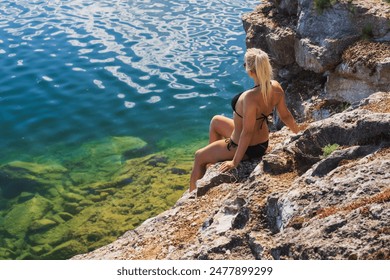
x=246 y=135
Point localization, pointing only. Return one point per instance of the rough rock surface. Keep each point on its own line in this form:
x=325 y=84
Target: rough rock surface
x=343 y=47
x=360 y=74
x=302 y=206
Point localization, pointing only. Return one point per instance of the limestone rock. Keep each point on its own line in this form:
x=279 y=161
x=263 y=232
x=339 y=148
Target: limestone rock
x=334 y=207
x=339 y=207
x=321 y=57
x=334 y=22
x=354 y=127
x=214 y=177
x=361 y=73
x=232 y=215
x=331 y=30
x=272 y=36
x=278 y=162
x=287 y=7
x=302 y=36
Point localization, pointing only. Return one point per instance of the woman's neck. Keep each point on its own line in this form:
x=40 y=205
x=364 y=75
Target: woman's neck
x=256 y=81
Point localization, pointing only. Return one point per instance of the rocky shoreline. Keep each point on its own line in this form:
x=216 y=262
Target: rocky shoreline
x=294 y=204
x=299 y=202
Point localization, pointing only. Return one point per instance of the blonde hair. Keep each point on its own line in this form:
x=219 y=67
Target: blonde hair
x=258 y=61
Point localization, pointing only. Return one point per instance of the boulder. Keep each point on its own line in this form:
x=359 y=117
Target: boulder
x=325 y=33
x=364 y=70
x=42 y=225
x=321 y=57
x=349 y=205
x=267 y=33
x=96 y=160
x=26 y=214
x=286 y=7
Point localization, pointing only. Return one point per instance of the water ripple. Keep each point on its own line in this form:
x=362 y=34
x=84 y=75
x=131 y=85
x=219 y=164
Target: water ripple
x=74 y=57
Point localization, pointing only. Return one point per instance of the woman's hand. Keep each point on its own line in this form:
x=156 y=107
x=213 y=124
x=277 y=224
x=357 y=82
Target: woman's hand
x=227 y=165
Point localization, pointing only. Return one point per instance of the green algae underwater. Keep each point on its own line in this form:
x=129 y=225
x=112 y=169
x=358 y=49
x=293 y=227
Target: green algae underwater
x=57 y=206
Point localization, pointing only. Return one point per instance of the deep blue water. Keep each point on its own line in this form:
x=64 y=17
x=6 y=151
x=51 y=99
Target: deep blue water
x=74 y=71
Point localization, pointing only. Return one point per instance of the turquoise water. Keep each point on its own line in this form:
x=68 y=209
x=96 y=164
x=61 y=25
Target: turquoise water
x=97 y=100
x=79 y=71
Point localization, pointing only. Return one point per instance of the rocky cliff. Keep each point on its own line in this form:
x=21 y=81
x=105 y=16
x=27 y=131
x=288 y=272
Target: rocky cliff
x=297 y=203
x=321 y=194
x=324 y=52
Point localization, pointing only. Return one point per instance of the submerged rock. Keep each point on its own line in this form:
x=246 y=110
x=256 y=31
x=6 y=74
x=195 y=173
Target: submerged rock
x=41 y=225
x=85 y=209
x=17 y=177
x=95 y=161
x=26 y=214
x=66 y=249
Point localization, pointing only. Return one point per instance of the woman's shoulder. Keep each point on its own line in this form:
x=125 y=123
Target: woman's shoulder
x=252 y=93
x=277 y=92
x=276 y=87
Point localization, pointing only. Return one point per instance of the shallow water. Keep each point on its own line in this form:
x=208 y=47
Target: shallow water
x=96 y=99
x=76 y=71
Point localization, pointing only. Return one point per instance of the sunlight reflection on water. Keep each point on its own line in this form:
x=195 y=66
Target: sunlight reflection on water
x=83 y=63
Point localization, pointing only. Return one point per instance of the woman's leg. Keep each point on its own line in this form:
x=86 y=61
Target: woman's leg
x=220 y=127
x=212 y=153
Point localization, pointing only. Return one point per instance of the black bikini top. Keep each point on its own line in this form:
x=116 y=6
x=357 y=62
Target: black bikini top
x=262 y=117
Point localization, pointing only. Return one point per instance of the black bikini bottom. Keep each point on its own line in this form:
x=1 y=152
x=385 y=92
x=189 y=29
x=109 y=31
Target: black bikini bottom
x=255 y=151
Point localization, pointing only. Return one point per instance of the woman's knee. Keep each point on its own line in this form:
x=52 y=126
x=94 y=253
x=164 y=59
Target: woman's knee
x=198 y=154
x=199 y=157
x=216 y=119
x=216 y=122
